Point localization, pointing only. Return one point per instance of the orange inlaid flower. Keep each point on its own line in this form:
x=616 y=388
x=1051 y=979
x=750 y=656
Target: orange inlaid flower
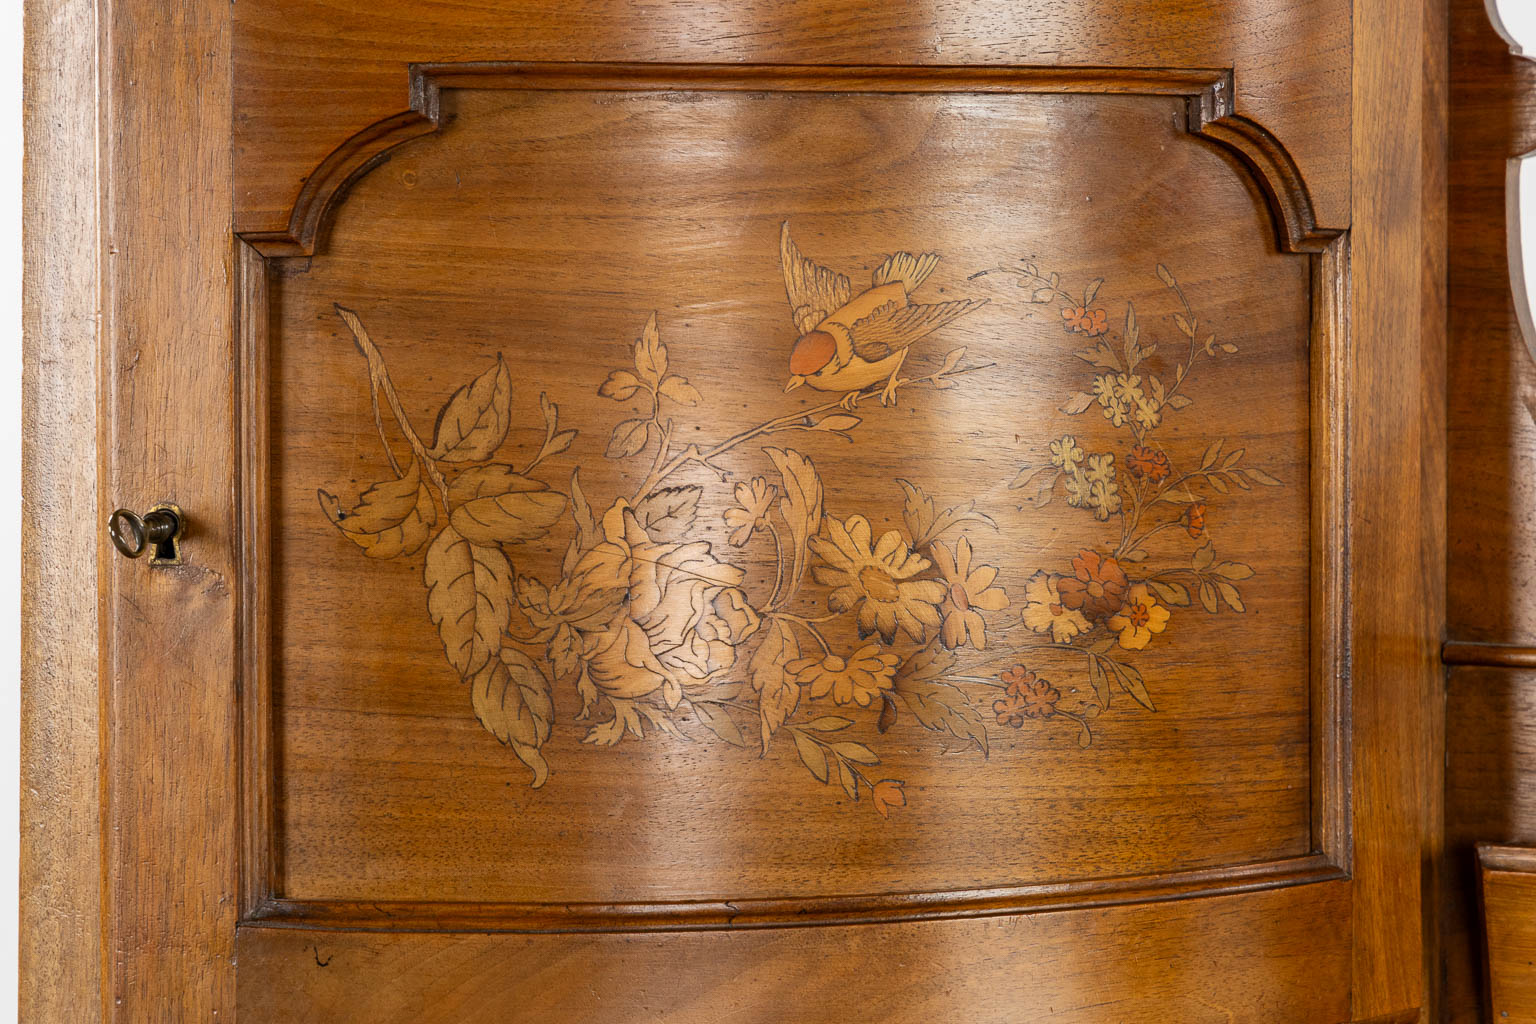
x=1194 y=519
x=1081 y=320
x=887 y=793
x=1026 y=696
x=1097 y=587
x=1149 y=463
x=1139 y=618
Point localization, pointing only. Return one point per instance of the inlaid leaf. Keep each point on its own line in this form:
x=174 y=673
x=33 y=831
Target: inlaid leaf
x=473 y=422
x=391 y=518
x=680 y=391
x=1131 y=682
x=628 y=438
x=778 y=694
x=1208 y=597
x=938 y=705
x=511 y=698
x=801 y=505
x=1233 y=570
x=812 y=753
x=625 y=719
x=717 y=720
x=563 y=649
x=668 y=514
x=1171 y=593
x=620 y=386
x=828 y=723
x=1230 y=595
x=469 y=597
x=837 y=423
x=926 y=521
x=1038 y=485
x=1079 y=402
x=856 y=752
x=849 y=780
x=651 y=354
x=1262 y=477
x=497 y=505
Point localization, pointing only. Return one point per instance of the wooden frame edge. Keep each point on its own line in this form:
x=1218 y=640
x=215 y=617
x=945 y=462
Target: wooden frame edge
x=1397 y=442
x=60 y=879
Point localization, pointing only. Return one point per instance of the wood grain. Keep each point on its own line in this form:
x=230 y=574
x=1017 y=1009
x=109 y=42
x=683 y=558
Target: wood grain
x=1396 y=472
x=272 y=769
x=1491 y=531
x=1508 y=888
x=1490 y=796
x=168 y=670
x=1291 y=62
x=60 y=911
x=1083 y=967
x=369 y=726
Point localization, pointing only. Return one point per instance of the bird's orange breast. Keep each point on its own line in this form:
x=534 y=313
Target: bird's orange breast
x=812 y=352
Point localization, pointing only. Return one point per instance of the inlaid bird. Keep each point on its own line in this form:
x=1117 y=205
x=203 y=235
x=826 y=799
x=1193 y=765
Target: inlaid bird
x=848 y=343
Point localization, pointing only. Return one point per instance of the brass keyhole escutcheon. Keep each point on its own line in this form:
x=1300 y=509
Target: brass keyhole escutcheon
x=156 y=531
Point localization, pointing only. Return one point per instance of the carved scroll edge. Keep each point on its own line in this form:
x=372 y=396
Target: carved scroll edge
x=1209 y=93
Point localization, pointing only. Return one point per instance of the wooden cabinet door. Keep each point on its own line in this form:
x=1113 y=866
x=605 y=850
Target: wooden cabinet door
x=818 y=511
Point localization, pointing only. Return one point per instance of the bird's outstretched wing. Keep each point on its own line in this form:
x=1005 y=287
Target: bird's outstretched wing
x=814 y=291
x=893 y=327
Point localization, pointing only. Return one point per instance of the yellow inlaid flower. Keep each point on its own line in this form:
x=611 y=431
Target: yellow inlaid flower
x=1044 y=612
x=968 y=591
x=875 y=577
x=1138 y=618
x=855 y=679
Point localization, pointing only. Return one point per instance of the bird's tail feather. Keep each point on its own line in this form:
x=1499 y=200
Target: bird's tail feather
x=910 y=270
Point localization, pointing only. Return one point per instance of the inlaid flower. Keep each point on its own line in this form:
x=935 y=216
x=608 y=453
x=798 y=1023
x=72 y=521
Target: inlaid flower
x=1096 y=588
x=1103 y=489
x=1138 y=618
x=1026 y=695
x=887 y=793
x=855 y=679
x=1065 y=453
x=1148 y=463
x=751 y=510
x=1081 y=320
x=1044 y=612
x=682 y=620
x=1194 y=520
x=874 y=579
x=970 y=593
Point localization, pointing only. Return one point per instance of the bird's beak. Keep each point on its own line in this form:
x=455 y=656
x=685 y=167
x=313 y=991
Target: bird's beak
x=794 y=381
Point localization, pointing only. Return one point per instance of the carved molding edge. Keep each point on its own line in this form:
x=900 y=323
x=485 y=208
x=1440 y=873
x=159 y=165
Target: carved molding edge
x=716 y=915
x=1209 y=93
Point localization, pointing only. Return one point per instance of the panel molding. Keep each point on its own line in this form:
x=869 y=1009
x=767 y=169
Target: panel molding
x=716 y=915
x=1209 y=93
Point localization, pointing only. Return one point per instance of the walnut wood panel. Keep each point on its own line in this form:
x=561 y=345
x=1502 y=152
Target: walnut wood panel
x=1492 y=419
x=1508 y=889
x=1490 y=796
x=435 y=258
x=1491 y=435
x=166 y=422
x=1081 y=967
x=60 y=947
x=1291 y=61
x=1344 y=949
